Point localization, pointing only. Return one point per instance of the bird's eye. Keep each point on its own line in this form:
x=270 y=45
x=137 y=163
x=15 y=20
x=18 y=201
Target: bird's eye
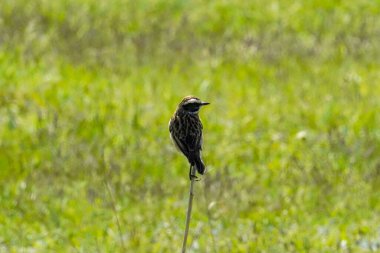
x=191 y=107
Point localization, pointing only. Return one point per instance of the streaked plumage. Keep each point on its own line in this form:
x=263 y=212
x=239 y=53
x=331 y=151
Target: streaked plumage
x=186 y=131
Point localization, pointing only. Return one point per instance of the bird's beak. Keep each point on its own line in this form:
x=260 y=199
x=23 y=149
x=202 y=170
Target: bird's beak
x=205 y=103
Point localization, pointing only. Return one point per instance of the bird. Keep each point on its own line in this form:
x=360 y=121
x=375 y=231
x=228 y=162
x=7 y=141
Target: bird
x=185 y=129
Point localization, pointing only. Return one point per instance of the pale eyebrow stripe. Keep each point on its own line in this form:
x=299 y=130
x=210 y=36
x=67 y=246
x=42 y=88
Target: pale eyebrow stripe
x=191 y=101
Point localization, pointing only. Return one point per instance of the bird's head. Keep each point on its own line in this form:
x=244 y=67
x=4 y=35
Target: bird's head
x=191 y=104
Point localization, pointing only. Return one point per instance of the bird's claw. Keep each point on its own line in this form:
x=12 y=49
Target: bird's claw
x=194 y=177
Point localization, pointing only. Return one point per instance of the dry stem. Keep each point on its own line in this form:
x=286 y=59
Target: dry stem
x=190 y=205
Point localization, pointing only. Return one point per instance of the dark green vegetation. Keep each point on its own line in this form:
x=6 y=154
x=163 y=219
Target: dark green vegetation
x=291 y=138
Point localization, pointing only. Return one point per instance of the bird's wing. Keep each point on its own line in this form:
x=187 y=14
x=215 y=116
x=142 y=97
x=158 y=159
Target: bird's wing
x=180 y=143
x=176 y=137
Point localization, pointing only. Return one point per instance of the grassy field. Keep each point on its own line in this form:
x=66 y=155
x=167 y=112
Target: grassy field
x=291 y=136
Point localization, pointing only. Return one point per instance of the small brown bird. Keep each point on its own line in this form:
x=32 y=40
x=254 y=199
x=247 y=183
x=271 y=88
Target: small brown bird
x=185 y=129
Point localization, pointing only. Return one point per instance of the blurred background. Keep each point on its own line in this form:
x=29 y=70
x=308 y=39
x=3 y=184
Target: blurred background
x=291 y=136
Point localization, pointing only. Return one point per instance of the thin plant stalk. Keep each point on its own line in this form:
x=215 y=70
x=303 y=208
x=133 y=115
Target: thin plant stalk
x=116 y=215
x=189 y=207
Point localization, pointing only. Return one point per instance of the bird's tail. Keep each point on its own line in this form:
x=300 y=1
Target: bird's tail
x=199 y=165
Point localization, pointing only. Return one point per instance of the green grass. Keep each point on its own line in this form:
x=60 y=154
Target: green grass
x=291 y=137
